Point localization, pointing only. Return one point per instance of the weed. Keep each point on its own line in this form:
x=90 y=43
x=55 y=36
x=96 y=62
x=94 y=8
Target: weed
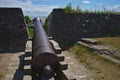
x=89 y=65
x=1 y=75
x=106 y=60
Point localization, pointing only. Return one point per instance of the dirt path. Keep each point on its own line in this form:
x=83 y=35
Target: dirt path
x=4 y=61
x=11 y=65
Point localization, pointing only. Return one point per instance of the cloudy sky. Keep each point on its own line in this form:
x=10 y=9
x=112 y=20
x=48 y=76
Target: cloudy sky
x=44 y=7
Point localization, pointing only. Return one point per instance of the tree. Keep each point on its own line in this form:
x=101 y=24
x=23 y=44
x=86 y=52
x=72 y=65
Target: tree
x=68 y=8
x=27 y=19
x=78 y=10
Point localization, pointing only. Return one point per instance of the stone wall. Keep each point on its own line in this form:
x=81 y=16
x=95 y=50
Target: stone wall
x=73 y=26
x=13 y=32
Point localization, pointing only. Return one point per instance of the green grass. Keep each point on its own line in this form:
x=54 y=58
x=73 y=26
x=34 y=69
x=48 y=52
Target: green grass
x=30 y=29
x=101 y=68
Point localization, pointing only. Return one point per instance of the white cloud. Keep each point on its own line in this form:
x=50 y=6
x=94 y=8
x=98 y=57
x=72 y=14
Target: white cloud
x=29 y=8
x=86 y=1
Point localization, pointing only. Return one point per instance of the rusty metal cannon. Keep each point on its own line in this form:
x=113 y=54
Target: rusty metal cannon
x=44 y=58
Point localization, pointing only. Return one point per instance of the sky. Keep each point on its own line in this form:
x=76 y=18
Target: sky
x=43 y=8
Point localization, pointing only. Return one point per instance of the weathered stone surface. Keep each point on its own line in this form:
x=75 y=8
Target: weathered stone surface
x=13 y=32
x=65 y=27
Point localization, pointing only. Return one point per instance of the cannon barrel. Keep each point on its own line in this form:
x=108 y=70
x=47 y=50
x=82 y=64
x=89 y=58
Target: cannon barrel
x=42 y=51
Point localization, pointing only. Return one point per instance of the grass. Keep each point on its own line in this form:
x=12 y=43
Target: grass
x=101 y=68
x=111 y=42
x=30 y=29
x=0 y=57
x=1 y=75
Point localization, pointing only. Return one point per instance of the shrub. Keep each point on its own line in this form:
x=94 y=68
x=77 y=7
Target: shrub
x=27 y=19
x=68 y=8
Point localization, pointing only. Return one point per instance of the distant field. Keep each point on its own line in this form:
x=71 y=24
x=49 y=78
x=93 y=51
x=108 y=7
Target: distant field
x=42 y=18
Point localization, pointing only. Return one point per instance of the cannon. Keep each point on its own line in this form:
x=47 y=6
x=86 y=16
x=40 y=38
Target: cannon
x=44 y=59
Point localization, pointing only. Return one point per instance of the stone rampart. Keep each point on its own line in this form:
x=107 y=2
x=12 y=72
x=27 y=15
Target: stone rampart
x=13 y=32
x=73 y=26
